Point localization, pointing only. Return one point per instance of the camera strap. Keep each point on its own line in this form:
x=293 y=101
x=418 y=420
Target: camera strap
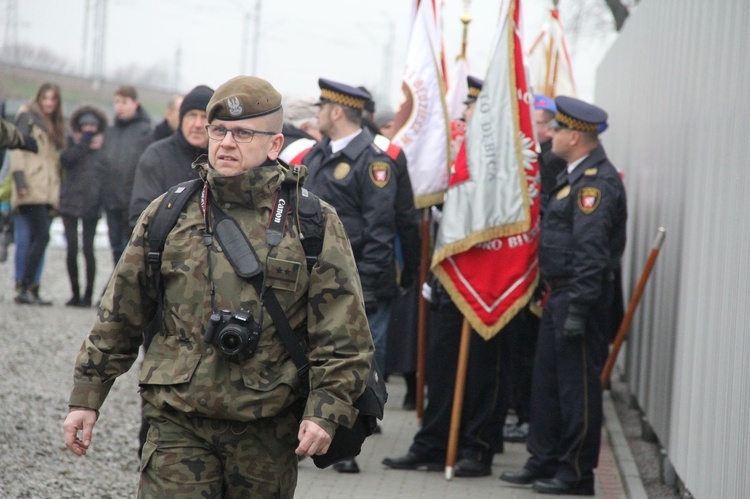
x=243 y=258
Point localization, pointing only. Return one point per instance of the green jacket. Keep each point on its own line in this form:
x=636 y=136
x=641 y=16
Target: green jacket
x=180 y=370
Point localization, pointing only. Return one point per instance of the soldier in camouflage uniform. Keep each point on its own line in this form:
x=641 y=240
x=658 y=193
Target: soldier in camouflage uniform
x=11 y=138
x=223 y=427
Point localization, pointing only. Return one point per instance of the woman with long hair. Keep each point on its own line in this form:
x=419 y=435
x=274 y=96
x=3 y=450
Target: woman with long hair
x=36 y=187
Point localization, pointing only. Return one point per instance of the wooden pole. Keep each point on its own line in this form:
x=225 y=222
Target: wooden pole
x=458 y=399
x=424 y=266
x=607 y=372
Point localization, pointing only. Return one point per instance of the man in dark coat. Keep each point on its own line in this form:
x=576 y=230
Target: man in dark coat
x=168 y=162
x=124 y=142
x=581 y=242
x=347 y=170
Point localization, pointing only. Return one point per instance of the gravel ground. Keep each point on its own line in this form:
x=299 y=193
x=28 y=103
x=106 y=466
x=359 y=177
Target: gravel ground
x=39 y=348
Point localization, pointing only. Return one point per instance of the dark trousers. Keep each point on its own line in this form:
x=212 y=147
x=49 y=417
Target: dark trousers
x=480 y=436
x=37 y=216
x=118 y=230
x=71 y=258
x=521 y=334
x=566 y=399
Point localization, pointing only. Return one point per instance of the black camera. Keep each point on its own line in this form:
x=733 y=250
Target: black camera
x=235 y=334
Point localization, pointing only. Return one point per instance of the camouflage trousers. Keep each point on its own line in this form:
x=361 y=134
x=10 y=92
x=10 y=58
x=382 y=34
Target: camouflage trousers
x=186 y=457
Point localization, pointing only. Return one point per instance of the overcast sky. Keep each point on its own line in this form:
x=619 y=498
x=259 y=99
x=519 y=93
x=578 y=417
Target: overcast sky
x=357 y=42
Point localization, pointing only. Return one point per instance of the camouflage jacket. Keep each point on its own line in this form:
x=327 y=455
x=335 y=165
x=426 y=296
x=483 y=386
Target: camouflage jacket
x=180 y=371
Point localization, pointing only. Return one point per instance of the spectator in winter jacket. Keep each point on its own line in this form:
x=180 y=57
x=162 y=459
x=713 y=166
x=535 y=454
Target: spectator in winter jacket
x=80 y=195
x=169 y=161
x=124 y=142
x=36 y=187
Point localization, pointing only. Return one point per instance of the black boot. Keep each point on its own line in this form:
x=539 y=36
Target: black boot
x=86 y=300
x=33 y=290
x=22 y=294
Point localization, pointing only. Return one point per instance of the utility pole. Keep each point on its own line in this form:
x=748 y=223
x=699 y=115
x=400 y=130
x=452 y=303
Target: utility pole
x=100 y=30
x=86 y=23
x=387 y=83
x=245 y=42
x=256 y=40
x=11 y=30
x=177 y=67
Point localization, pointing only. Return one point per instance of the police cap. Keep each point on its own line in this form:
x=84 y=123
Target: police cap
x=243 y=97
x=475 y=86
x=340 y=93
x=579 y=115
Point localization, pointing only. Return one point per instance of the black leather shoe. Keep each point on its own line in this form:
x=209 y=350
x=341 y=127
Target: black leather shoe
x=411 y=461
x=521 y=477
x=471 y=467
x=346 y=466
x=558 y=487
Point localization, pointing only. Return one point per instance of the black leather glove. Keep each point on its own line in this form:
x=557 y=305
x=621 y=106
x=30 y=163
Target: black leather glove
x=87 y=136
x=575 y=327
x=29 y=144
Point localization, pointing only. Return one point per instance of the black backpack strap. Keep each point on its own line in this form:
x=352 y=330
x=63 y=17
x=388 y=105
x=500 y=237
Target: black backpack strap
x=163 y=221
x=312 y=225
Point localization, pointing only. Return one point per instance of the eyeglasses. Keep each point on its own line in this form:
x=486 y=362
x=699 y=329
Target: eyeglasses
x=218 y=132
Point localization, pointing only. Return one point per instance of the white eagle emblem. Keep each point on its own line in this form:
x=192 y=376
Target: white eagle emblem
x=235 y=108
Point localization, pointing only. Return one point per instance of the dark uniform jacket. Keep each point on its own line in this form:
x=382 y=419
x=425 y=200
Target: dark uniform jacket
x=180 y=372
x=583 y=229
x=163 y=164
x=348 y=180
x=550 y=166
x=124 y=142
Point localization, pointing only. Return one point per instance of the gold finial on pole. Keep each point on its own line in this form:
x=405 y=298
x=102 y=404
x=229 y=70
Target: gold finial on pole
x=465 y=19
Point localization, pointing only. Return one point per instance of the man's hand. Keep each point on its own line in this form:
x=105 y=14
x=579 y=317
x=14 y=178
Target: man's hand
x=312 y=439
x=82 y=420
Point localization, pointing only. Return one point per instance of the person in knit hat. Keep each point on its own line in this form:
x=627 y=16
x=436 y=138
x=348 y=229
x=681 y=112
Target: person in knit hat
x=167 y=162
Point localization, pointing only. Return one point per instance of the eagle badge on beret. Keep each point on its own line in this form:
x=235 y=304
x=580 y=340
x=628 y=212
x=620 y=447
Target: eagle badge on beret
x=234 y=105
x=380 y=173
x=588 y=199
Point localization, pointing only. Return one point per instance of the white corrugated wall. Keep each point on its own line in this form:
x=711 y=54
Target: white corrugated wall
x=677 y=87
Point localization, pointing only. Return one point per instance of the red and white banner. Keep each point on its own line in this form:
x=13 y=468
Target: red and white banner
x=551 y=72
x=486 y=247
x=422 y=119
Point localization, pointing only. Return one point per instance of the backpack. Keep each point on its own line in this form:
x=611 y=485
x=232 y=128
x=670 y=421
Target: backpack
x=346 y=442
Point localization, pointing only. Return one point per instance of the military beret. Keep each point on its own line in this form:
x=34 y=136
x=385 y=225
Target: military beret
x=545 y=103
x=340 y=93
x=579 y=115
x=475 y=86
x=243 y=97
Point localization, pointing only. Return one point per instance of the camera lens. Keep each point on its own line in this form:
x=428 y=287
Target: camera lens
x=231 y=340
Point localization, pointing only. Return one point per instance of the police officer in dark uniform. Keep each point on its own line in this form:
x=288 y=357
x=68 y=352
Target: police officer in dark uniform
x=581 y=242
x=480 y=435
x=350 y=172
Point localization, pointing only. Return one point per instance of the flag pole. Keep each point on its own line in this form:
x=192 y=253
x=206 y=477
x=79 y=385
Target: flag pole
x=424 y=266
x=458 y=399
x=658 y=241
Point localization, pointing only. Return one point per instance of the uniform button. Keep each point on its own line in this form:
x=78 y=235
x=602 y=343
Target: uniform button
x=209 y=351
x=203 y=402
